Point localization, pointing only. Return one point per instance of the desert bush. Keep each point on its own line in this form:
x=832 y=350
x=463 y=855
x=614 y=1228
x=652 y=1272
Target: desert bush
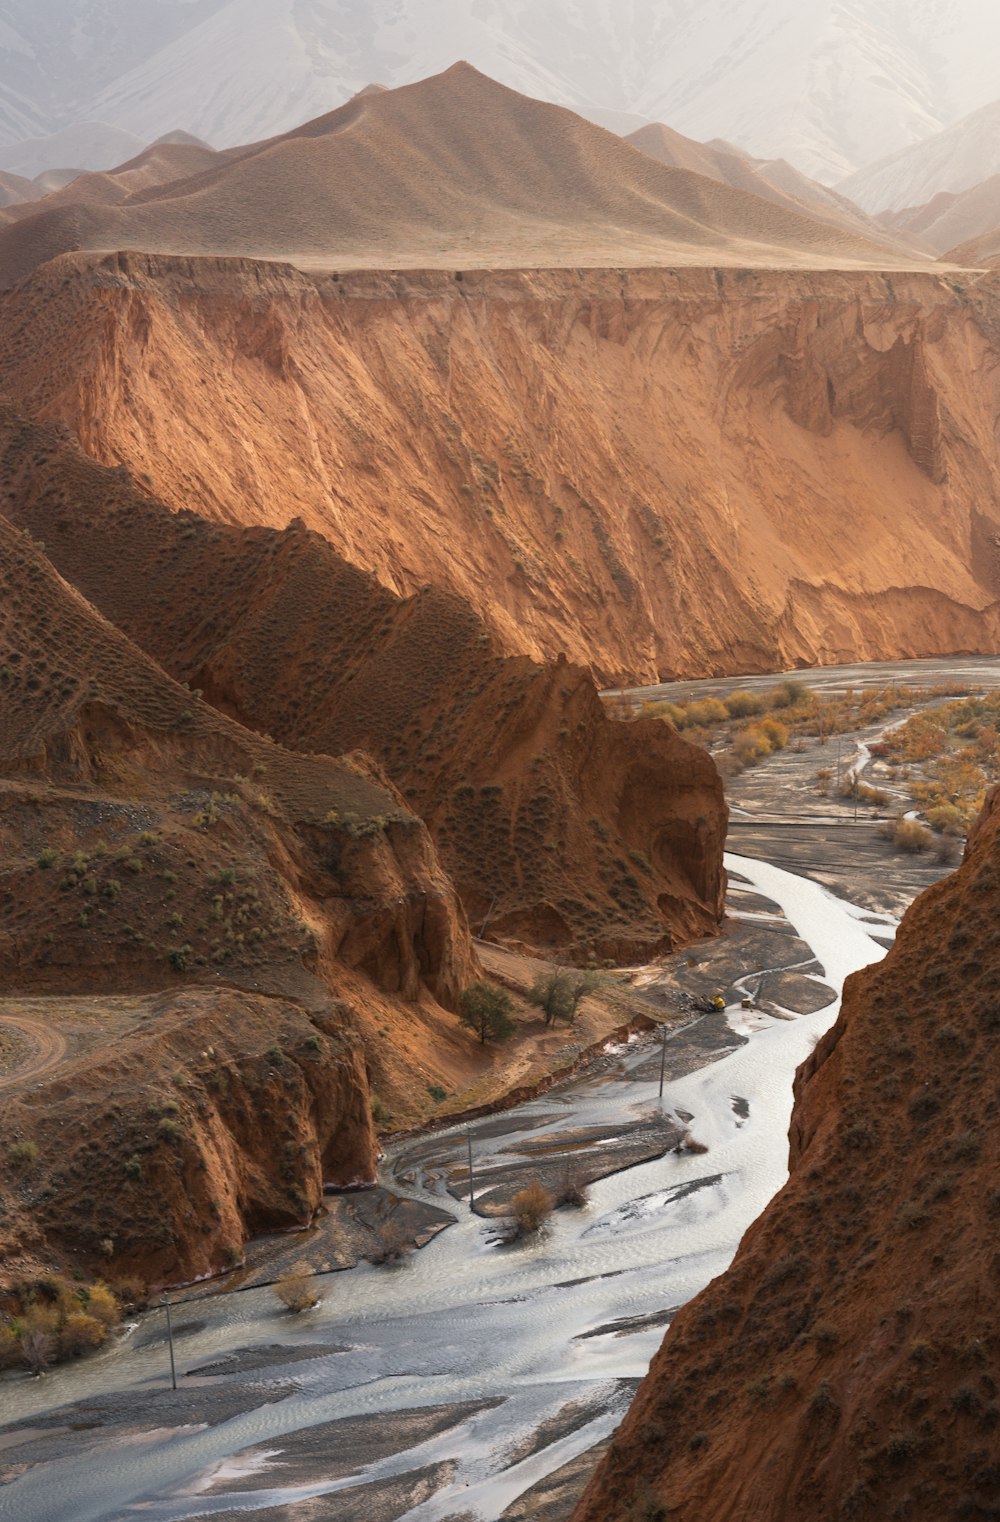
x=776 y=734
x=751 y=745
x=572 y=1190
x=947 y=850
x=79 y=1333
x=22 y=1155
x=946 y=819
x=744 y=705
x=38 y=1348
x=392 y=1243
x=704 y=712
x=790 y=694
x=487 y=1010
x=530 y=1209
x=296 y=1289
x=48 y=858
x=103 y=1305
x=911 y=836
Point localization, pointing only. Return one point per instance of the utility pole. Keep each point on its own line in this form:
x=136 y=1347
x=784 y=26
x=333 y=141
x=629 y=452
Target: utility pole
x=663 y=1054
x=472 y=1188
x=170 y=1340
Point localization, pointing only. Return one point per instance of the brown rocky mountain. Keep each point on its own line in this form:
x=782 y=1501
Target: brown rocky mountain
x=453 y=171
x=570 y=830
x=220 y=947
x=952 y=222
x=650 y=471
x=771 y=179
x=234 y=914
x=846 y=1364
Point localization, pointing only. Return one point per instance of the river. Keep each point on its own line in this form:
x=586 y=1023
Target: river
x=449 y=1387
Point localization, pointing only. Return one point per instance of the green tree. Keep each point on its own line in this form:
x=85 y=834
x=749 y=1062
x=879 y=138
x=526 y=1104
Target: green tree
x=558 y=993
x=487 y=1011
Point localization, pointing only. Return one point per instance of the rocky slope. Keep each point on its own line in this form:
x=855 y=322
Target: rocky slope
x=845 y=1366
x=650 y=470
x=567 y=829
x=197 y=931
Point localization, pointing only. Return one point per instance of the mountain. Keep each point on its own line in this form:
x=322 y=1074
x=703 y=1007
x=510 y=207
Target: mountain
x=844 y=1365
x=830 y=86
x=455 y=171
x=772 y=180
x=950 y=221
x=88 y=145
x=950 y=161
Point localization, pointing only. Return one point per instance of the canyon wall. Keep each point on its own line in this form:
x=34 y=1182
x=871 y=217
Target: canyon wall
x=845 y=1366
x=569 y=830
x=655 y=472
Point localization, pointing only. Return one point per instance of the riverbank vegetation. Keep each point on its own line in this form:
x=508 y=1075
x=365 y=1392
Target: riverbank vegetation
x=46 y=1319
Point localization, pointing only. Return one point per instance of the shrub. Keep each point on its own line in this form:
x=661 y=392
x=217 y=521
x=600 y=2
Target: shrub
x=487 y=1010
x=22 y=1155
x=133 y=1166
x=530 y=1208
x=706 y=711
x=38 y=1348
x=743 y=705
x=437 y=1093
x=392 y=1243
x=48 y=858
x=911 y=836
x=946 y=819
x=297 y=1289
x=79 y=1333
x=103 y=1305
x=572 y=1189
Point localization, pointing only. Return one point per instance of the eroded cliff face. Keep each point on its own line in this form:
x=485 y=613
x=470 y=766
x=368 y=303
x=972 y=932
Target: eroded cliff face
x=569 y=830
x=655 y=472
x=846 y=1364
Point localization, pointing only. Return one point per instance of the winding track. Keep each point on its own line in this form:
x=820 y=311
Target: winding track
x=48 y=1049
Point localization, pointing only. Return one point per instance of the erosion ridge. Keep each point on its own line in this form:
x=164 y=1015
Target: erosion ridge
x=649 y=470
x=568 y=830
x=844 y=1366
x=216 y=922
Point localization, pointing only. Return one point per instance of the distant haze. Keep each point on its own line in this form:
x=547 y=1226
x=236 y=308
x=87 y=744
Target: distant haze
x=830 y=85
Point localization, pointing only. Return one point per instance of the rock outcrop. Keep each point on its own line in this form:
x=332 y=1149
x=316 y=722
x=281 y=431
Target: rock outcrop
x=657 y=472
x=846 y=1364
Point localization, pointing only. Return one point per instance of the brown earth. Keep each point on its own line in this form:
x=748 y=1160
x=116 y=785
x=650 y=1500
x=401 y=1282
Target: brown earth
x=261 y=909
x=650 y=471
x=846 y=1365
x=567 y=829
x=773 y=180
x=454 y=169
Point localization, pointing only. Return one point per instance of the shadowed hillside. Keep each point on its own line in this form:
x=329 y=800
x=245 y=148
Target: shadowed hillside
x=566 y=828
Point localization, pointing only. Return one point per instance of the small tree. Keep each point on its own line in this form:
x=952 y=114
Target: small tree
x=558 y=993
x=487 y=1011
